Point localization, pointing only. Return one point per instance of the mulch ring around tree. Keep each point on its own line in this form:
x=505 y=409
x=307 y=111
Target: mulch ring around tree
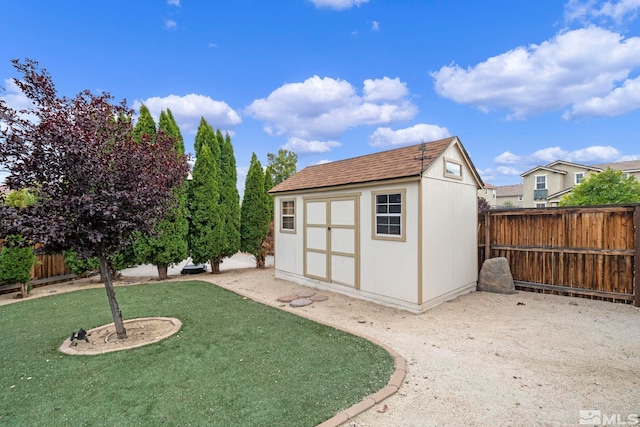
x=302 y=298
x=104 y=339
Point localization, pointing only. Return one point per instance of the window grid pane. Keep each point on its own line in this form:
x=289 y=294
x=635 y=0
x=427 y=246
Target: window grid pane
x=388 y=214
x=288 y=215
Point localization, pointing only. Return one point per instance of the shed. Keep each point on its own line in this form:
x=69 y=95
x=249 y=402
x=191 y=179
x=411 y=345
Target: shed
x=397 y=227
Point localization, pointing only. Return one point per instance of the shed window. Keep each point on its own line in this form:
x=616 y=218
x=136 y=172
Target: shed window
x=452 y=169
x=389 y=214
x=288 y=215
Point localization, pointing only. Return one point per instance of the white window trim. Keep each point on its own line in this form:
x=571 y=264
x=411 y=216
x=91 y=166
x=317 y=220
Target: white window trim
x=403 y=216
x=575 y=177
x=283 y=216
x=535 y=183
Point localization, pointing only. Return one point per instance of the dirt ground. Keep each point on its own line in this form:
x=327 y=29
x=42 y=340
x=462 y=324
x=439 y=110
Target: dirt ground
x=481 y=359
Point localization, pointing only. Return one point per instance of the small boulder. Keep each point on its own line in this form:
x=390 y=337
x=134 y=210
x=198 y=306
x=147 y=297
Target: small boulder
x=495 y=276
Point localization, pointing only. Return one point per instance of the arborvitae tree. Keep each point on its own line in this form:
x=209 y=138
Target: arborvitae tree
x=206 y=230
x=254 y=217
x=201 y=135
x=169 y=125
x=268 y=185
x=269 y=244
x=229 y=200
x=167 y=245
x=145 y=125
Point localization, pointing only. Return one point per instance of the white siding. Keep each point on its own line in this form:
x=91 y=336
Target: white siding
x=449 y=233
x=288 y=246
x=389 y=267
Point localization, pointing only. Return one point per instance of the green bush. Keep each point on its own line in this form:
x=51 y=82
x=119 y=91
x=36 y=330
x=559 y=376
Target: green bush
x=16 y=262
x=82 y=267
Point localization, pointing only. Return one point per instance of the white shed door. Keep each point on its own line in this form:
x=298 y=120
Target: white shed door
x=330 y=240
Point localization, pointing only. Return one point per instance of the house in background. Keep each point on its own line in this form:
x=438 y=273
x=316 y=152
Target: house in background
x=544 y=186
x=502 y=195
x=488 y=192
x=509 y=195
x=397 y=227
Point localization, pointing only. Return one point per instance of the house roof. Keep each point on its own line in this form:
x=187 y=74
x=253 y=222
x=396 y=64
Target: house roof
x=559 y=193
x=628 y=166
x=546 y=168
x=509 y=190
x=392 y=164
x=577 y=165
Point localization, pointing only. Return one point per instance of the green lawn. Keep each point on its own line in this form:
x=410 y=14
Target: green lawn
x=234 y=362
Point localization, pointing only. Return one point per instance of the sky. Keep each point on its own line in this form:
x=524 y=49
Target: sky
x=520 y=83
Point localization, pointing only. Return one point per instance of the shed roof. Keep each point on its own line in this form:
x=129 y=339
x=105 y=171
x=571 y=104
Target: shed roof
x=392 y=164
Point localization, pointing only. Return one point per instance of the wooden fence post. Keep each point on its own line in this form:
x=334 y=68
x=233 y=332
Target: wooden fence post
x=487 y=235
x=636 y=257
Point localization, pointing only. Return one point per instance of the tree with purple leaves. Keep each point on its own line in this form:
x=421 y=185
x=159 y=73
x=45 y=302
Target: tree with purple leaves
x=94 y=185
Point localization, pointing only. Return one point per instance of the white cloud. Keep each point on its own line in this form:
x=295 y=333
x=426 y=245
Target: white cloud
x=170 y=24
x=188 y=109
x=568 y=70
x=382 y=137
x=320 y=109
x=589 y=10
x=594 y=154
x=507 y=158
x=13 y=97
x=338 y=4
x=173 y=3
x=322 y=162
x=375 y=26
x=505 y=170
x=384 y=89
x=303 y=146
x=548 y=155
x=623 y=99
x=588 y=155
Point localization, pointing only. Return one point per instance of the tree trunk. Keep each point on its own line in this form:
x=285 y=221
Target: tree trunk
x=162 y=272
x=25 y=289
x=111 y=296
x=260 y=260
x=215 y=266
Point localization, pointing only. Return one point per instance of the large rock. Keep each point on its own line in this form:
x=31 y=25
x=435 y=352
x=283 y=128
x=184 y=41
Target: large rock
x=495 y=276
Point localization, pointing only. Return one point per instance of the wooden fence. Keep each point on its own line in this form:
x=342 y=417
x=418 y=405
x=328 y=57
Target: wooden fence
x=48 y=268
x=582 y=251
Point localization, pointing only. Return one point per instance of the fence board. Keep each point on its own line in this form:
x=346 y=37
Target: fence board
x=589 y=251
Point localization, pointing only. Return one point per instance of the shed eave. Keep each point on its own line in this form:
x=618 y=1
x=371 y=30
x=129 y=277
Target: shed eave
x=347 y=186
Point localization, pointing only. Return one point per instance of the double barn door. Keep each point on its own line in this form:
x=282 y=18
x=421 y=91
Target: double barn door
x=331 y=239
